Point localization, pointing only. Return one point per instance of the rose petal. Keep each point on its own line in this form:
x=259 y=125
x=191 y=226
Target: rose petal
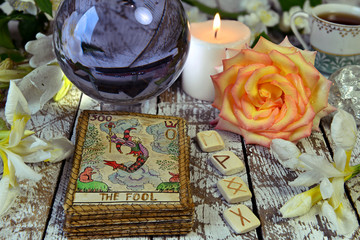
x=249 y=137
x=254 y=124
x=226 y=111
x=247 y=57
x=320 y=94
x=251 y=85
x=307 y=71
x=289 y=117
x=266 y=46
x=308 y=55
x=284 y=63
x=244 y=74
x=301 y=132
x=306 y=119
x=221 y=81
x=329 y=109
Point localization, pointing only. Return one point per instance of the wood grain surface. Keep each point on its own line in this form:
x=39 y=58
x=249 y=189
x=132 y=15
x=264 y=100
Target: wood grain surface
x=268 y=180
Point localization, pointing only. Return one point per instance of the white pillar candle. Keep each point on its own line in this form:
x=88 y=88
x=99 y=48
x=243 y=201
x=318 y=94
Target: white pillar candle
x=207 y=52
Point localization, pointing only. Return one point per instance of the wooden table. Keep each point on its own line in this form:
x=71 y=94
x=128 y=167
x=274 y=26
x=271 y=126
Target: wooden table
x=38 y=213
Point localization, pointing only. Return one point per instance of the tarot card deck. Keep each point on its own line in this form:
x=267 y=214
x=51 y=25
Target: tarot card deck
x=130 y=177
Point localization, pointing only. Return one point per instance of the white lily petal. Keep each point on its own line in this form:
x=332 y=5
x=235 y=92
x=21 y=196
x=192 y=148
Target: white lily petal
x=15 y=103
x=321 y=165
x=37 y=156
x=328 y=211
x=343 y=130
x=340 y=158
x=17 y=132
x=346 y=220
x=41 y=85
x=63 y=148
x=22 y=170
x=286 y=152
x=296 y=206
x=326 y=188
x=29 y=145
x=338 y=195
x=8 y=194
x=307 y=179
x=41 y=49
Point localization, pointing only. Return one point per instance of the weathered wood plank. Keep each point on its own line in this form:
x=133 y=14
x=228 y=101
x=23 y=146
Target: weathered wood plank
x=57 y=218
x=27 y=219
x=209 y=204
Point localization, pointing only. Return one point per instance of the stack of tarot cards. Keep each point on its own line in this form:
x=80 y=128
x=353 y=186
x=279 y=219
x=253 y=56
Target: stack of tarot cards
x=130 y=177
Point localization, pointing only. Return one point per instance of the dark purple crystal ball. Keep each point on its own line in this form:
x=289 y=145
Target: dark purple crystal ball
x=121 y=51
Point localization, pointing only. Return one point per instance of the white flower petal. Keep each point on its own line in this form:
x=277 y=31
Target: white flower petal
x=286 y=152
x=41 y=85
x=37 y=156
x=326 y=188
x=17 y=132
x=321 y=165
x=340 y=158
x=15 y=103
x=8 y=194
x=346 y=220
x=62 y=149
x=338 y=195
x=307 y=179
x=269 y=17
x=328 y=211
x=42 y=51
x=343 y=130
x=296 y=206
x=22 y=170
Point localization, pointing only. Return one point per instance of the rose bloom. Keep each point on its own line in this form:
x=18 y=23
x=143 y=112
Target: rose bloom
x=271 y=91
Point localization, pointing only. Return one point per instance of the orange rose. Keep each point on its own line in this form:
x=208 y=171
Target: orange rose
x=271 y=91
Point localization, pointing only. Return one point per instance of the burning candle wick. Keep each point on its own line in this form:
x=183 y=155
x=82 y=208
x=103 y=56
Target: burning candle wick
x=216 y=24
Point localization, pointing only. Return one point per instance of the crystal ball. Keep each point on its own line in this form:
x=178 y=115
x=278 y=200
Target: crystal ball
x=121 y=51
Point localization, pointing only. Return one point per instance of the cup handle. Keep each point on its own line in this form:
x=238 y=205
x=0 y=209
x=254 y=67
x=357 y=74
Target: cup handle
x=295 y=30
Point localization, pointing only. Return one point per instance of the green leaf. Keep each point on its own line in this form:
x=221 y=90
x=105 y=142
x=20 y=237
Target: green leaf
x=264 y=35
x=30 y=25
x=45 y=6
x=212 y=11
x=13 y=54
x=314 y=3
x=287 y=4
x=5 y=39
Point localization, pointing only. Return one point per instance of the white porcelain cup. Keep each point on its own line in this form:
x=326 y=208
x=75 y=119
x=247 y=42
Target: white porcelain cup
x=338 y=45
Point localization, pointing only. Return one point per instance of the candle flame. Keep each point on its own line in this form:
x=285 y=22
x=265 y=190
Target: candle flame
x=216 y=24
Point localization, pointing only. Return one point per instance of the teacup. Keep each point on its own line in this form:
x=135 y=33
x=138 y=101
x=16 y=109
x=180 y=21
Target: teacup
x=335 y=35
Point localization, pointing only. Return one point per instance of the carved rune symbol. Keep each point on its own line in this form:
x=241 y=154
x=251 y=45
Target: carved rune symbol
x=242 y=218
x=232 y=182
x=226 y=157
